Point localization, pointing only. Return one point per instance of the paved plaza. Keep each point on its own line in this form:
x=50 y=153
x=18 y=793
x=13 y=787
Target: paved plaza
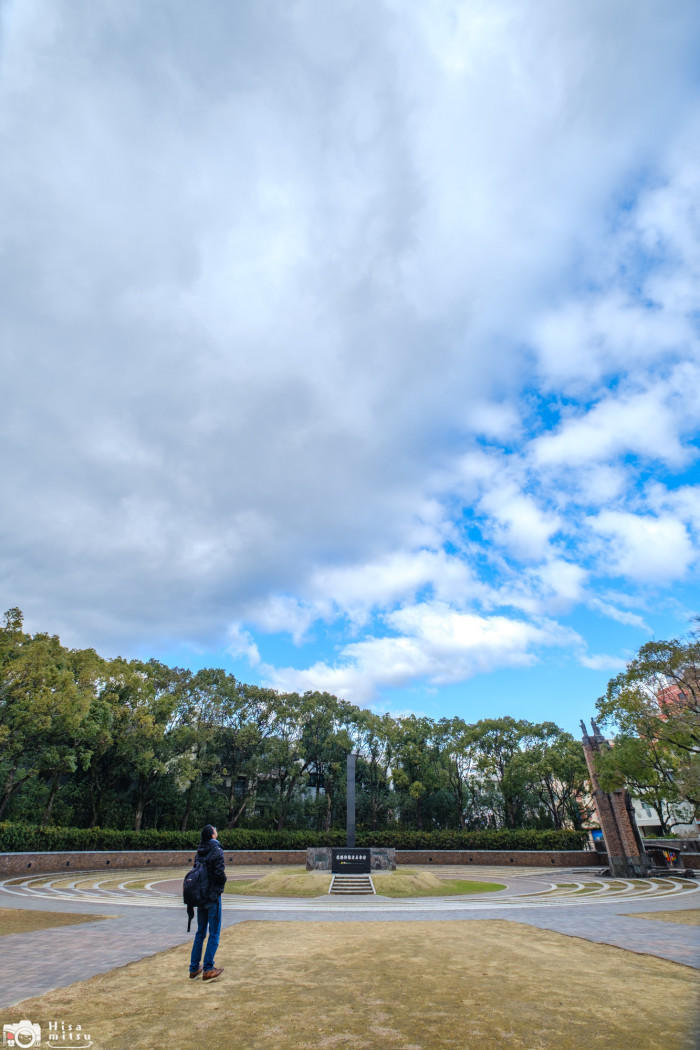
x=147 y=916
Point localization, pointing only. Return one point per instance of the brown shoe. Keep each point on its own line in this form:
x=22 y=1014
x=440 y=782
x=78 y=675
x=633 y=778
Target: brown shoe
x=209 y=975
x=195 y=973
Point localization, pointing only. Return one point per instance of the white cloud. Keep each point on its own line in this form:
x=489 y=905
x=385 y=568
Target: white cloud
x=519 y=524
x=241 y=644
x=602 y=662
x=356 y=592
x=433 y=643
x=650 y=423
x=265 y=284
x=642 y=547
x=495 y=420
x=595 y=484
x=286 y=614
x=590 y=339
x=563 y=580
x=622 y=616
x=640 y=308
x=683 y=503
x=550 y=589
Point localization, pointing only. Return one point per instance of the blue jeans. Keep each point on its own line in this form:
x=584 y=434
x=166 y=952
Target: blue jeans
x=207 y=915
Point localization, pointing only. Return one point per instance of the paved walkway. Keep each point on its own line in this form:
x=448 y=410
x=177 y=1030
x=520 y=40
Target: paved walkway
x=56 y=957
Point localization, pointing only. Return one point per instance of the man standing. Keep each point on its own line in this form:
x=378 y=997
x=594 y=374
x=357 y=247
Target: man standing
x=210 y=854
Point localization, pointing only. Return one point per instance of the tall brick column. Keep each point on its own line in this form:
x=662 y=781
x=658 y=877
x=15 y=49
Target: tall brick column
x=623 y=842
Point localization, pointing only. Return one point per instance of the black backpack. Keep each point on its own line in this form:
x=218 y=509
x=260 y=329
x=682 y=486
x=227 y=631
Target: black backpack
x=195 y=888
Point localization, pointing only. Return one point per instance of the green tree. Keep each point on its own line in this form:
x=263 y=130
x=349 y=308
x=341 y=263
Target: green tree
x=98 y=729
x=72 y=735
x=193 y=734
x=644 y=767
x=656 y=701
x=417 y=772
x=16 y=755
x=457 y=743
x=144 y=698
x=325 y=744
x=552 y=771
x=285 y=761
x=46 y=692
x=372 y=741
x=498 y=741
x=246 y=717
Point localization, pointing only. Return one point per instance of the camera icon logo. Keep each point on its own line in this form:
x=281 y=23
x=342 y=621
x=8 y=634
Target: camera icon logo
x=22 y=1035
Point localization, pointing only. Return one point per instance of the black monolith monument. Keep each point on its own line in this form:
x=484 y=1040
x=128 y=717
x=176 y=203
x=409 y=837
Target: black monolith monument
x=350 y=816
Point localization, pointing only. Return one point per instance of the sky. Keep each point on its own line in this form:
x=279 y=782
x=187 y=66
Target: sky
x=354 y=346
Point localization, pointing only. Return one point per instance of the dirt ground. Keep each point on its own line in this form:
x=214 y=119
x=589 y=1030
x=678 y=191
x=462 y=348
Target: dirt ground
x=486 y=984
x=686 y=917
x=16 y=920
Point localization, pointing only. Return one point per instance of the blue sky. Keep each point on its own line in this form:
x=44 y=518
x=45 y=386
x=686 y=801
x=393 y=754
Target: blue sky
x=354 y=347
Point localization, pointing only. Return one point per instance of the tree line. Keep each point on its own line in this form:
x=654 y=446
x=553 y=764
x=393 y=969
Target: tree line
x=91 y=742
x=87 y=741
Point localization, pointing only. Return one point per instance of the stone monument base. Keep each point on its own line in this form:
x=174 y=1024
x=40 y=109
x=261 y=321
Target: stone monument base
x=319 y=858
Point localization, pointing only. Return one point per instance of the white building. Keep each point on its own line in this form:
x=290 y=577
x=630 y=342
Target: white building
x=648 y=820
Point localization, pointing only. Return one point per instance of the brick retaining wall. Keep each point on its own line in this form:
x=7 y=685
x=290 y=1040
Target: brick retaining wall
x=526 y=858
x=32 y=863
x=690 y=860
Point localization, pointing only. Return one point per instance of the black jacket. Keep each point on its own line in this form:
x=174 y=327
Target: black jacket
x=213 y=856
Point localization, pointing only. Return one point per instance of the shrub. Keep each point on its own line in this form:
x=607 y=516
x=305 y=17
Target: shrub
x=16 y=838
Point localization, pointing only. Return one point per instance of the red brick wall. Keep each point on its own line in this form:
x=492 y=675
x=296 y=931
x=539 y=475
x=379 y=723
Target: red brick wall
x=30 y=863
x=527 y=858
x=33 y=863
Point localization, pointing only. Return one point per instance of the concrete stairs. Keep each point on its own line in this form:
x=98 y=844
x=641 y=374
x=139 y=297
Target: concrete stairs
x=352 y=884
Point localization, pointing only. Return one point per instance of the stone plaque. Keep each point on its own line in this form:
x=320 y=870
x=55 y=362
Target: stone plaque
x=350 y=861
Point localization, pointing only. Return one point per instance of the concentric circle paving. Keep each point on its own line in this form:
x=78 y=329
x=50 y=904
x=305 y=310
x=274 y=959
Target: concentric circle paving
x=526 y=888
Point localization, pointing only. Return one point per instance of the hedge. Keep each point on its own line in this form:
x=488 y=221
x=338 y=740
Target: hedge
x=17 y=838
x=501 y=839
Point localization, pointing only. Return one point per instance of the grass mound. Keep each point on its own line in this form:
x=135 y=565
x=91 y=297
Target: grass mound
x=425 y=884
x=294 y=883
x=300 y=883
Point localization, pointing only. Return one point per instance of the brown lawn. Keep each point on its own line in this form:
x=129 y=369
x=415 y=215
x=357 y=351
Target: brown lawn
x=685 y=917
x=481 y=984
x=18 y=920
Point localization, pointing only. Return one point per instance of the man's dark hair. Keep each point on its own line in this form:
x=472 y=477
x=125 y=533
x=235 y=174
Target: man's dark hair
x=208 y=832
